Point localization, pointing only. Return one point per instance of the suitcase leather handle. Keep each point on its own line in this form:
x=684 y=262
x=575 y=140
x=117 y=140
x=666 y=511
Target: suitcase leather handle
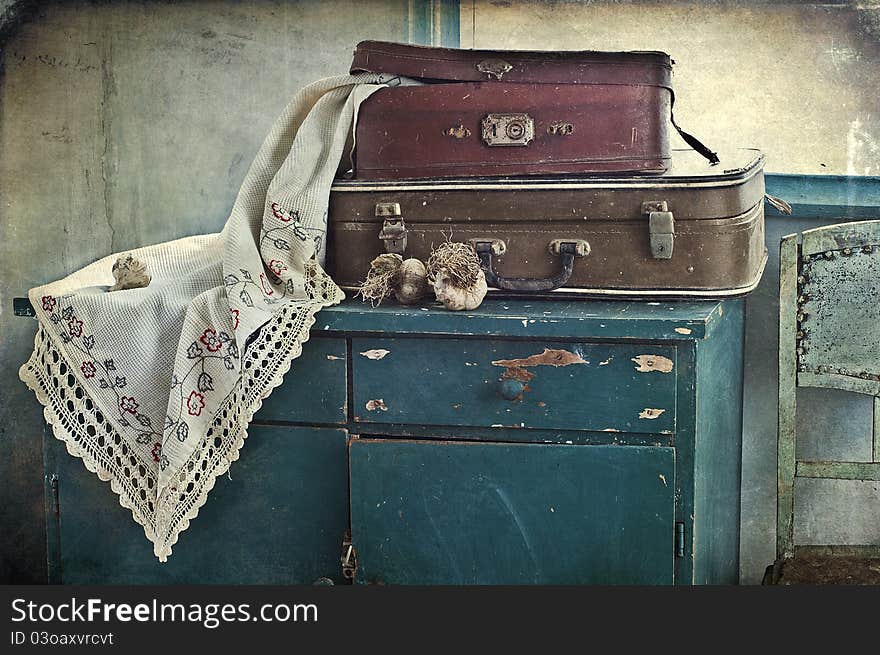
x=568 y=251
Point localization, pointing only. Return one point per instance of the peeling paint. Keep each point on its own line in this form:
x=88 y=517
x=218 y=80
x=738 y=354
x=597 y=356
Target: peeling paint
x=663 y=480
x=648 y=363
x=607 y=361
x=377 y=403
x=550 y=357
x=333 y=358
x=683 y=330
x=377 y=353
x=516 y=368
x=610 y=430
x=650 y=413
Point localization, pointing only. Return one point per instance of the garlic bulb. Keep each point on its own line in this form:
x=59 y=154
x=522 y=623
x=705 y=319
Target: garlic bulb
x=457 y=298
x=130 y=273
x=380 y=278
x=411 y=283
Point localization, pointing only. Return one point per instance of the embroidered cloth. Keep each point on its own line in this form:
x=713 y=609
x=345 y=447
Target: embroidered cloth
x=154 y=388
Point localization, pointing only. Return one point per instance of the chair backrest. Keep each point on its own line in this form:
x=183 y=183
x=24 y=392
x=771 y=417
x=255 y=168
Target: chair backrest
x=829 y=336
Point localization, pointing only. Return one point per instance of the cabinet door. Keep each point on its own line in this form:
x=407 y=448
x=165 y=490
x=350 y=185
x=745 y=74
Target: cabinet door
x=426 y=512
x=279 y=517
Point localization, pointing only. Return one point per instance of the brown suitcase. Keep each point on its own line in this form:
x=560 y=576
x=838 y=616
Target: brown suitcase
x=491 y=113
x=697 y=230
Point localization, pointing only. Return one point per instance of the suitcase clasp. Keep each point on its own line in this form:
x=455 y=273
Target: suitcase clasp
x=393 y=232
x=661 y=228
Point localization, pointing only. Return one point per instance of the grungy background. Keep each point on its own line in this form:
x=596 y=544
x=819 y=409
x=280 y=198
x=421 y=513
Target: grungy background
x=129 y=123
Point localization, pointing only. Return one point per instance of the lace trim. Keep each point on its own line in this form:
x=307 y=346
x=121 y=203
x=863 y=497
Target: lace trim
x=88 y=434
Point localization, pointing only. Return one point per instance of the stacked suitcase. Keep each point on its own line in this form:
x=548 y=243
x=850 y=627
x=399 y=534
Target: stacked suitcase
x=556 y=167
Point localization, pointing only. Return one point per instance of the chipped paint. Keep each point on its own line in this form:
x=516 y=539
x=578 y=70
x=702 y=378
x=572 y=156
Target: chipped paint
x=515 y=369
x=663 y=480
x=376 y=353
x=607 y=361
x=610 y=430
x=683 y=330
x=650 y=413
x=333 y=358
x=648 y=363
x=550 y=357
x=377 y=403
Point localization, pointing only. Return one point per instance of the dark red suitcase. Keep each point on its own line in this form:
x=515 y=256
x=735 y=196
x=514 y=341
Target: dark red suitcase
x=491 y=113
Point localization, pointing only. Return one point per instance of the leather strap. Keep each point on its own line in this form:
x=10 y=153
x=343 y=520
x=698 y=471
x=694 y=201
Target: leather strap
x=692 y=141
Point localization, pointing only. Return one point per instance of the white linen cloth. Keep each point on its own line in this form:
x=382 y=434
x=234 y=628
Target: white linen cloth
x=154 y=388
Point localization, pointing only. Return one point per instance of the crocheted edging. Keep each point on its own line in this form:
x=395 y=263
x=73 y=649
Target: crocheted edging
x=164 y=535
x=31 y=374
x=221 y=463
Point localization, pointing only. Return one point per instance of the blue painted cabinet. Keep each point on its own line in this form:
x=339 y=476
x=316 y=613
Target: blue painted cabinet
x=524 y=442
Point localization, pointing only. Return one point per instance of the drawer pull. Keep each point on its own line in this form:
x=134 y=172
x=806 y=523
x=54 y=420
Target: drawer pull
x=511 y=389
x=567 y=250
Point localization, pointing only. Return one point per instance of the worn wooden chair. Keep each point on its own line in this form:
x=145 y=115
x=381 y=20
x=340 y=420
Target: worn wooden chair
x=829 y=337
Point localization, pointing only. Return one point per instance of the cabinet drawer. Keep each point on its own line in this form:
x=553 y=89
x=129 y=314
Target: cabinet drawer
x=519 y=384
x=314 y=388
x=494 y=513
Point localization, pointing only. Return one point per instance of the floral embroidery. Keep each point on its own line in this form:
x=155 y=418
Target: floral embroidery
x=195 y=403
x=267 y=288
x=235 y=314
x=157 y=451
x=48 y=303
x=129 y=405
x=277 y=266
x=67 y=313
x=285 y=216
x=88 y=369
x=210 y=341
x=75 y=327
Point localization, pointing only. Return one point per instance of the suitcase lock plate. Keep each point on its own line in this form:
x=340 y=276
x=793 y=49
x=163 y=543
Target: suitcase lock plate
x=508 y=129
x=393 y=232
x=661 y=227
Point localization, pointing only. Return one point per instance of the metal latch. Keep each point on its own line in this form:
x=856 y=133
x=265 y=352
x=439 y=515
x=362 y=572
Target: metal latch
x=679 y=539
x=508 y=129
x=349 y=558
x=393 y=232
x=661 y=227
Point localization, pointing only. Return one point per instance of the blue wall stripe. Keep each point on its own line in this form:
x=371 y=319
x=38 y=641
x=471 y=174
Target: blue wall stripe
x=434 y=22
x=826 y=196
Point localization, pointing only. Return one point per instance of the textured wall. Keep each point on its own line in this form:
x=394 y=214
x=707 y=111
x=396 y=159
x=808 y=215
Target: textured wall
x=126 y=124
x=799 y=80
